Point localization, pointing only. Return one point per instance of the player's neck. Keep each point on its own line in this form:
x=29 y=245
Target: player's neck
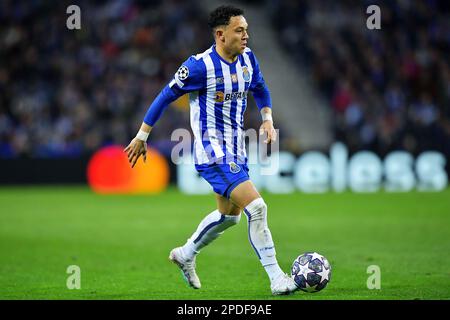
x=227 y=56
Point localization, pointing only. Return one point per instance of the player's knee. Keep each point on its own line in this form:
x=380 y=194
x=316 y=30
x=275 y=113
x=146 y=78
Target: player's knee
x=235 y=211
x=256 y=210
x=237 y=218
x=262 y=206
x=232 y=220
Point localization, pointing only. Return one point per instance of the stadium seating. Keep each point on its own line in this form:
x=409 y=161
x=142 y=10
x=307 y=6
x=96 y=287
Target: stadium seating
x=388 y=90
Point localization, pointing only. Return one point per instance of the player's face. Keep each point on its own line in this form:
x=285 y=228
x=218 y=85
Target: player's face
x=235 y=35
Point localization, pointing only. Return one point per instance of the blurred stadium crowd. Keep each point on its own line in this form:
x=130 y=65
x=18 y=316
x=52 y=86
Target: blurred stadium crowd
x=65 y=93
x=388 y=89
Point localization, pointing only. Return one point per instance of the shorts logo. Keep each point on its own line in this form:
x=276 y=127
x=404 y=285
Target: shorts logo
x=234 y=78
x=234 y=168
x=183 y=73
x=245 y=74
x=219 y=96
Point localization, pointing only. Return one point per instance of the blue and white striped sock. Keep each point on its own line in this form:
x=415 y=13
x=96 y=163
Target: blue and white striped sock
x=210 y=228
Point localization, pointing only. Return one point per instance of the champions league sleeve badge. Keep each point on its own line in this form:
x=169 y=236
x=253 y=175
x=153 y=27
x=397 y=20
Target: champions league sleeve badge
x=183 y=73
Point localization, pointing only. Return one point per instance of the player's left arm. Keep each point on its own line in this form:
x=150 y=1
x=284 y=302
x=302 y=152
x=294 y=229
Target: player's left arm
x=263 y=100
x=267 y=125
x=184 y=81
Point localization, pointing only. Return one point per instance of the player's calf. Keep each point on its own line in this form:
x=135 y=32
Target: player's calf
x=261 y=239
x=209 y=229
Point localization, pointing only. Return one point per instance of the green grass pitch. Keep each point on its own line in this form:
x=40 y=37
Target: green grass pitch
x=121 y=244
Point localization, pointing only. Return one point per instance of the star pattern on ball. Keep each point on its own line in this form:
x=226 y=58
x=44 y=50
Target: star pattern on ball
x=324 y=274
x=315 y=255
x=304 y=270
x=308 y=288
x=307 y=276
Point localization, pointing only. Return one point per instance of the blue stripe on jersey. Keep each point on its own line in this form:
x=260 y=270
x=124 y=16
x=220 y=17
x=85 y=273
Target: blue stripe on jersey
x=209 y=150
x=233 y=111
x=202 y=107
x=218 y=106
x=202 y=95
x=247 y=85
x=243 y=108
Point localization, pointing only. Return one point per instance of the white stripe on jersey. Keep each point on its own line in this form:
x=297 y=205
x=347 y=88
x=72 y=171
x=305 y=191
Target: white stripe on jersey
x=239 y=108
x=250 y=69
x=204 y=54
x=228 y=87
x=199 y=156
x=249 y=65
x=210 y=107
x=208 y=58
x=248 y=62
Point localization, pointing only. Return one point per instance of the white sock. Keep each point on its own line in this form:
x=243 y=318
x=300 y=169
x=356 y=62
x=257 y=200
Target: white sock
x=260 y=237
x=209 y=229
x=273 y=271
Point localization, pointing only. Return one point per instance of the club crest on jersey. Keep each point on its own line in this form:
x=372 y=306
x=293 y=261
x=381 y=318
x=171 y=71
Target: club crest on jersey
x=183 y=73
x=219 y=96
x=234 y=168
x=245 y=74
x=234 y=78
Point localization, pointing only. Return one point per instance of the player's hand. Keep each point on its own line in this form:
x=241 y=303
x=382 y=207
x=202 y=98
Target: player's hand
x=267 y=127
x=135 y=150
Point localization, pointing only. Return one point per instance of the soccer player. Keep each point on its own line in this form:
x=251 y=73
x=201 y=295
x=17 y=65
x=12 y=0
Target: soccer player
x=217 y=81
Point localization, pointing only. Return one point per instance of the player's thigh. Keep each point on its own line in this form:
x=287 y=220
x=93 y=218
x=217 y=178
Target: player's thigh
x=225 y=206
x=244 y=194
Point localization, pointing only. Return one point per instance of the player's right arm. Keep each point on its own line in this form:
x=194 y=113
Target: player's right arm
x=189 y=77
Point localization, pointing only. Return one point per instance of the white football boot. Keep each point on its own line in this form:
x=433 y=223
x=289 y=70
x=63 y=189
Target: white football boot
x=283 y=285
x=187 y=267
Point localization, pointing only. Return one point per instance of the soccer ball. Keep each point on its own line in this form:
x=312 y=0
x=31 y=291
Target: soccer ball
x=311 y=272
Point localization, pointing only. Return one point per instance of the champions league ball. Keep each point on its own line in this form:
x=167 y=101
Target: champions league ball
x=311 y=272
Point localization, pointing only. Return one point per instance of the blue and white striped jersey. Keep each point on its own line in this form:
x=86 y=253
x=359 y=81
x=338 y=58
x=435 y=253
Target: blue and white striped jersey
x=218 y=99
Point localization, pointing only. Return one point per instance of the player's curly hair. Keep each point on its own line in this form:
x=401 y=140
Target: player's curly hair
x=221 y=16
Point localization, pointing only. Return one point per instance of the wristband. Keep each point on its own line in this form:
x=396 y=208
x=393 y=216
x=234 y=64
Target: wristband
x=142 y=135
x=267 y=116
